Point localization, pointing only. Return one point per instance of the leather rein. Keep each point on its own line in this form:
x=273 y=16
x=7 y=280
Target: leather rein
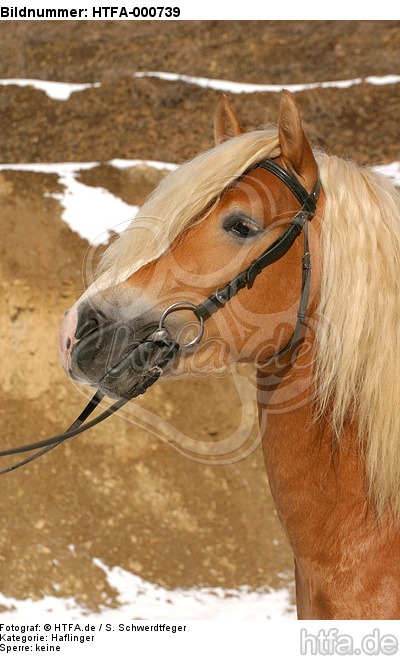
x=153 y=354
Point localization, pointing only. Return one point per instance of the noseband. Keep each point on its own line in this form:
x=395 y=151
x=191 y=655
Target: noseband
x=152 y=356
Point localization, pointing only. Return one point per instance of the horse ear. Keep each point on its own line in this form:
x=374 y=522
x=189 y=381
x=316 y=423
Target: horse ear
x=295 y=148
x=226 y=123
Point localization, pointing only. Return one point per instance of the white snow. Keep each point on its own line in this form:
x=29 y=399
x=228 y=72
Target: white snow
x=151 y=601
x=63 y=90
x=92 y=212
x=240 y=87
x=392 y=171
x=54 y=90
x=137 y=598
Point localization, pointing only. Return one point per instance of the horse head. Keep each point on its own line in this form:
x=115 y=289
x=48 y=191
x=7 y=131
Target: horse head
x=205 y=223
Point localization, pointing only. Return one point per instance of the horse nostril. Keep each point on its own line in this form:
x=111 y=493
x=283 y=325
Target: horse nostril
x=88 y=322
x=86 y=328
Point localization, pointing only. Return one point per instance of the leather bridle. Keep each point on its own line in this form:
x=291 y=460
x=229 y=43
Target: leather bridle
x=274 y=252
x=153 y=354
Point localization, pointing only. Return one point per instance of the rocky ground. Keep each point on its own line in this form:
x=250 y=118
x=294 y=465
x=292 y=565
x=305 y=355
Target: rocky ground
x=120 y=493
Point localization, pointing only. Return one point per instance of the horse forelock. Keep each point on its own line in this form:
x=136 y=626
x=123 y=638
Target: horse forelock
x=357 y=351
x=179 y=200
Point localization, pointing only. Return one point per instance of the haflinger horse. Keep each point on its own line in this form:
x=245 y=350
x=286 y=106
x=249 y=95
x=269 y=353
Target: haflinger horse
x=249 y=218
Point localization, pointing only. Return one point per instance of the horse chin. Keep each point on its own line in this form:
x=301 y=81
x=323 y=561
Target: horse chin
x=115 y=386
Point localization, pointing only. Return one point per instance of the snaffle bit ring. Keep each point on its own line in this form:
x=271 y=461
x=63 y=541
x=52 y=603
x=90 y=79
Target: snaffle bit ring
x=184 y=305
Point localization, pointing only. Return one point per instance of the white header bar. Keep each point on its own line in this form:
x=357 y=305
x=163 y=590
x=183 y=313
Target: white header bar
x=191 y=10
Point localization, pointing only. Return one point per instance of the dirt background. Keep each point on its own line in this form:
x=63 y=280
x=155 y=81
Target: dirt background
x=120 y=493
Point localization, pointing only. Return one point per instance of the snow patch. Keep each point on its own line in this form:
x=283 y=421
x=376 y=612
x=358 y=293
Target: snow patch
x=92 y=212
x=64 y=90
x=54 y=90
x=150 y=601
x=141 y=599
x=240 y=87
x=391 y=171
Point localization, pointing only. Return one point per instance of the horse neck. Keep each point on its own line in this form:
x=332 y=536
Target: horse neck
x=318 y=486
x=302 y=459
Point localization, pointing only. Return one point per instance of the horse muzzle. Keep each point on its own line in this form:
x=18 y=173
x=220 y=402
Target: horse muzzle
x=110 y=355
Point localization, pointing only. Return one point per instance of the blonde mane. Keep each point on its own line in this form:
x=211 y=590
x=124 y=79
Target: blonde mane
x=359 y=376
x=357 y=349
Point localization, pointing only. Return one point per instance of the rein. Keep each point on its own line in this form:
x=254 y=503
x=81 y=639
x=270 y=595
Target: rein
x=154 y=353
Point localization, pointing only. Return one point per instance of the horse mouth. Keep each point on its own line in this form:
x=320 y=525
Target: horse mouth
x=109 y=358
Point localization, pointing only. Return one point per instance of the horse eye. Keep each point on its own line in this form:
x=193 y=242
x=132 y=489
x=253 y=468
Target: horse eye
x=242 y=229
